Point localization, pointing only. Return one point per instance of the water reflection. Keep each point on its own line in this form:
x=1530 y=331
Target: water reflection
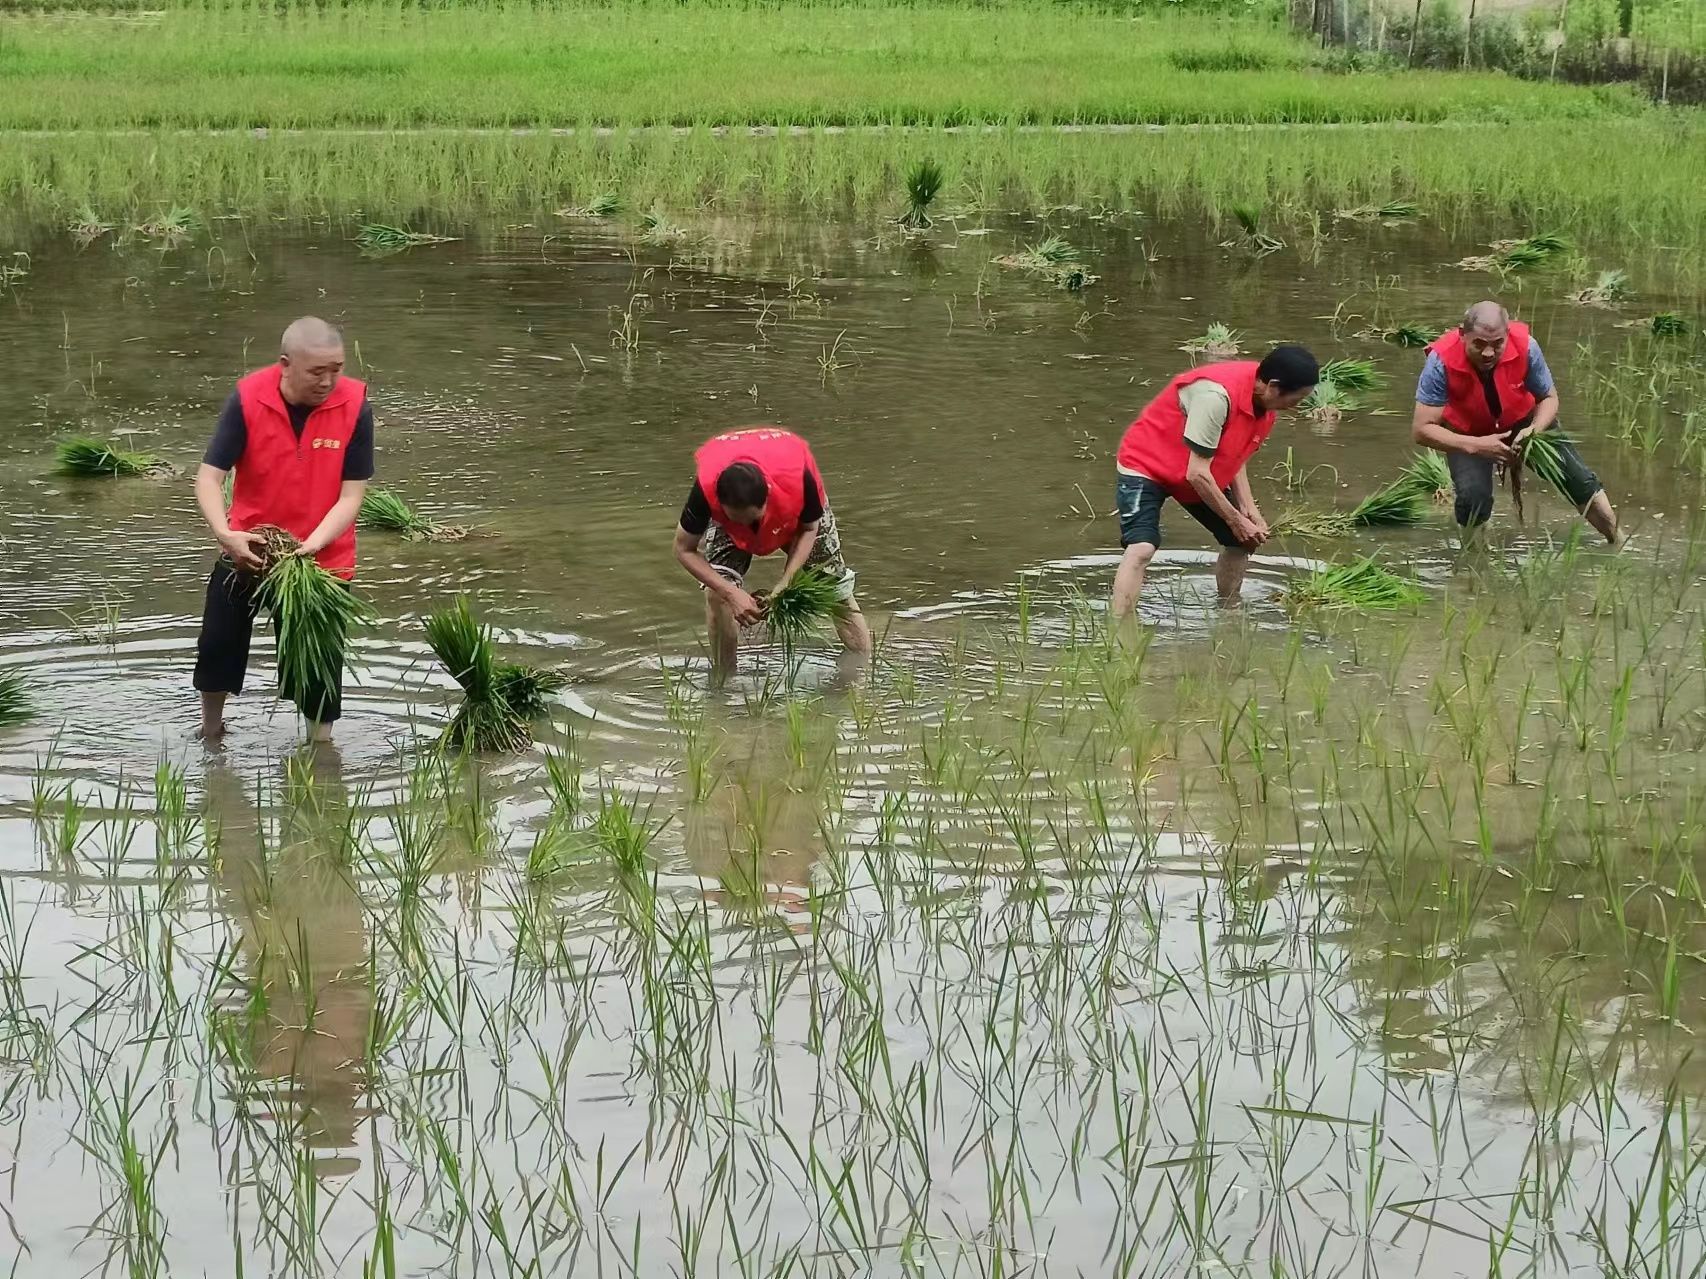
x=285 y=880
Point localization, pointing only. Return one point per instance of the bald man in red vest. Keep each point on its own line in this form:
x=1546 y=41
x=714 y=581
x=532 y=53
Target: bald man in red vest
x=1484 y=390
x=757 y=492
x=297 y=437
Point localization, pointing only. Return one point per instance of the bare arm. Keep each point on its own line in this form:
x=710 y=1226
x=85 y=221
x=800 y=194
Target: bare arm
x=687 y=554
x=1545 y=414
x=339 y=519
x=1246 y=500
x=210 y=497
x=1428 y=429
x=798 y=553
x=1201 y=479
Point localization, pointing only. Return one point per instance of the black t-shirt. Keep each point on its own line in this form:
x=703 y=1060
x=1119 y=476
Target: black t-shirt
x=231 y=437
x=696 y=515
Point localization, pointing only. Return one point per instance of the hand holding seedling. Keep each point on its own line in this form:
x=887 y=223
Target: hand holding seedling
x=747 y=610
x=243 y=548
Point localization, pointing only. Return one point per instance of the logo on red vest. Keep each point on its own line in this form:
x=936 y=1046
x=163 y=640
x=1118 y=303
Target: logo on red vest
x=321 y=442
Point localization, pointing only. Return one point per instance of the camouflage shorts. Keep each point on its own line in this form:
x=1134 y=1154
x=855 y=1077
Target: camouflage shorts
x=734 y=563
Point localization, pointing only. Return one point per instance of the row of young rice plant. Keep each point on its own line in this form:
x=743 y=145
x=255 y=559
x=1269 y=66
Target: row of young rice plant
x=1627 y=187
x=1349 y=945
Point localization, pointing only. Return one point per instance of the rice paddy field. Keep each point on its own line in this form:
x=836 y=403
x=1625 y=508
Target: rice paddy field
x=1309 y=938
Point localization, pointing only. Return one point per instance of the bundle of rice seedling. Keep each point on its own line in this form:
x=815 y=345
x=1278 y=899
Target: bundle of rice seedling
x=1361 y=585
x=1609 y=289
x=174 y=224
x=1217 y=341
x=1540 y=453
x=1400 y=504
x=87 y=226
x=1520 y=255
x=1411 y=335
x=1392 y=210
x=499 y=699
x=922 y=185
x=1250 y=223
x=312 y=612
x=14 y=701
x=377 y=237
x=82 y=455
x=383 y=509
x=1351 y=375
x=656 y=228
x=810 y=599
x=1308 y=521
x=1668 y=324
x=606 y=204
x=1043 y=257
x=1430 y=475
x=1329 y=401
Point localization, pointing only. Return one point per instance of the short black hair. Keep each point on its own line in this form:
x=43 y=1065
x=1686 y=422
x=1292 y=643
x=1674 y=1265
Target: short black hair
x=741 y=487
x=1291 y=368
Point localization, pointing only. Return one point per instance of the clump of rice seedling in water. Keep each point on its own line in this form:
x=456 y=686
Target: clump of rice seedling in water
x=82 y=455
x=1400 y=504
x=810 y=599
x=312 y=612
x=383 y=509
x=498 y=699
x=1430 y=475
x=606 y=204
x=656 y=228
x=379 y=238
x=1309 y=521
x=1053 y=257
x=1253 y=237
x=1520 y=255
x=923 y=184
x=1411 y=335
x=1217 y=341
x=87 y=226
x=1609 y=289
x=1363 y=585
x=1668 y=324
x=14 y=701
x=1329 y=401
x=174 y=224
x=1391 y=211
x=1351 y=375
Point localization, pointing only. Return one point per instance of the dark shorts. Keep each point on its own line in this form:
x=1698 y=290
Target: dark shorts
x=222 y=651
x=1474 y=483
x=1138 y=502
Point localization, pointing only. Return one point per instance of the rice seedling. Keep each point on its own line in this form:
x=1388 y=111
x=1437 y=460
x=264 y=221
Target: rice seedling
x=171 y=225
x=1400 y=504
x=1390 y=211
x=606 y=204
x=378 y=239
x=1253 y=237
x=1217 y=342
x=923 y=183
x=1430 y=474
x=16 y=269
x=803 y=606
x=1312 y=522
x=499 y=700
x=1411 y=335
x=1052 y=257
x=1609 y=289
x=657 y=229
x=1540 y=453
x=1352 y=375
x=383 y=509
x=85 y=456
x=1668 y=324
x=14 y=698
x=1362 y=586
x=87 y=226
x=1527 y=254
x=313 y=615
x=1329 y=402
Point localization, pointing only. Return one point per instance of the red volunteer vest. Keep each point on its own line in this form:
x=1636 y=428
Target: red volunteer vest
x=1466 y=409
x=293 y=482
x=784 y=459
x=1154 y=445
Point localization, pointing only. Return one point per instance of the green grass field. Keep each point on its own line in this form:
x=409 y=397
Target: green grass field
x=578 y=64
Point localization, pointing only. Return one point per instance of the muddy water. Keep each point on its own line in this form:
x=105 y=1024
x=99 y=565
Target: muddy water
x=1017 y=953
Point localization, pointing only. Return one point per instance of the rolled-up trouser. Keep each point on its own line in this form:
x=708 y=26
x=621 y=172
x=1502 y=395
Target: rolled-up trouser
x=1472 y=481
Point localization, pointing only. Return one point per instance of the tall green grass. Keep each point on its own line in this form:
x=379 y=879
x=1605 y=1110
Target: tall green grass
x=565 y=64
